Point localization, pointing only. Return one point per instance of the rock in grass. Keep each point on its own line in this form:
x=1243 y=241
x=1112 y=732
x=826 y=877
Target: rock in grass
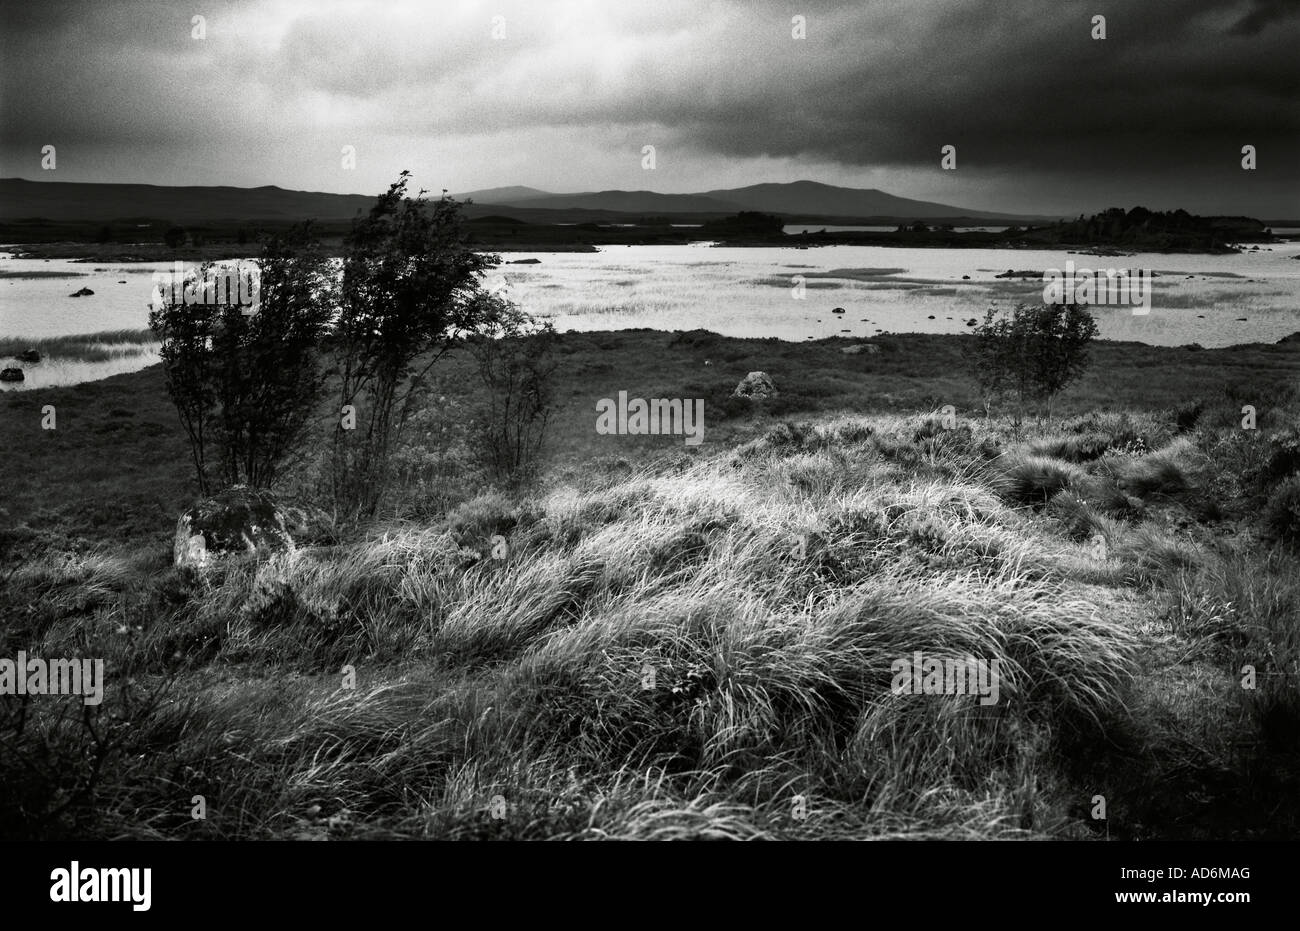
x=12 y=375
x=30 y=356
x=84 y=292
x=755 y=386
x=237 y=521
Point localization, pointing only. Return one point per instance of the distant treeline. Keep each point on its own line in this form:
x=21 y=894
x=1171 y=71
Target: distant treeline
x=1144 y=230
x=748 y=224
x=1135 y=230
x=158 y=230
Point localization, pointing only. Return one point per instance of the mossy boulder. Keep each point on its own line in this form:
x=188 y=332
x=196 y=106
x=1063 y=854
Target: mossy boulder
x=237 y=521
x=756 y=386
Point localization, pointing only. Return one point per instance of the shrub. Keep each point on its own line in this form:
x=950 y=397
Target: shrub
x=1282 y=512
x=410 y=289
x=245 y=385
x=1033 y=352
x=433 y=469
x=516 y=363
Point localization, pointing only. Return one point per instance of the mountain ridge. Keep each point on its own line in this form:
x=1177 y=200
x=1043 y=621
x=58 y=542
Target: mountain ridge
x=803 y=197
x=61 y=201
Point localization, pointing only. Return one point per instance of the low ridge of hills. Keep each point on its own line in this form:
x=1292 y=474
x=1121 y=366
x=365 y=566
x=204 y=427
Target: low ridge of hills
x=62 y=201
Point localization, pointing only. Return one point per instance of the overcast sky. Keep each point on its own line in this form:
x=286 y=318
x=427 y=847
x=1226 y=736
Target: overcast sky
x=1045 y=119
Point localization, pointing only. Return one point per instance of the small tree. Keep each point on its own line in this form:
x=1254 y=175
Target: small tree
x=271 y=374
x=189 y=366
x=174 y=237
x=245 y=385
x=517 y=364
x=411 y=288
x=1062 y=336
x=1031 y=353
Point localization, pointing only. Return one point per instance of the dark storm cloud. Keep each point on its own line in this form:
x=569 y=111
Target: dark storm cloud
x=1265 y=12
x=1013 y=86
x=1018 y=86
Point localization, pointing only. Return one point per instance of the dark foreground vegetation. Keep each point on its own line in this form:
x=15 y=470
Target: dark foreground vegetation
x=1124 y=562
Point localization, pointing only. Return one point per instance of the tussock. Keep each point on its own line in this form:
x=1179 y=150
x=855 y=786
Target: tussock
x=671 y=656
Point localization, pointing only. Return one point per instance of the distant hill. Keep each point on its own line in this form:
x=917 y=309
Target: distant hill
x=64 y=200
x=798 y=198
x=503 y=195
x=622 y=202
x=812 y=197
x=807 y=201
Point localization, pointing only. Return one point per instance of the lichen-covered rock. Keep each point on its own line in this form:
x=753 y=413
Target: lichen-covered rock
x=755 y=386
x=238 y=521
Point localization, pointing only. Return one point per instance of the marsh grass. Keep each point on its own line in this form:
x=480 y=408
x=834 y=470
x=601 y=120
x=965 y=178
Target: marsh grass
x=767 y=585
x=90 y=347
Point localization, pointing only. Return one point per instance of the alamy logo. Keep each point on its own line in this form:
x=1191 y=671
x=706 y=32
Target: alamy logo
x=949 y=675
x=36 y=676
x=1107 y=286
x=102 y=884
x=236 y=285
x=658 y=416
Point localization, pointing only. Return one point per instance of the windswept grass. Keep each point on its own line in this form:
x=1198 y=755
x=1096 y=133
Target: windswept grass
x=698 y=646
x=771 y=669
x=683 y=654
